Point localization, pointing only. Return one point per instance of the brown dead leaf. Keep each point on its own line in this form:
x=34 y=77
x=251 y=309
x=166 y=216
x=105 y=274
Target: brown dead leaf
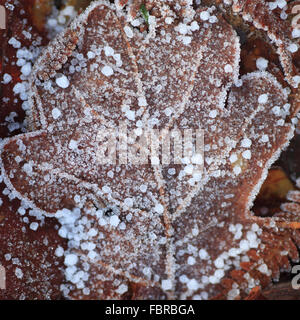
x=157 y=231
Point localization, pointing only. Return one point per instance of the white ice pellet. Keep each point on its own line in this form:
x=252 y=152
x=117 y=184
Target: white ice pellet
x=263 y=268
x=219 y=263
x=130 y=115
x=143 y=188
x=233 y=158
x=194 y=26
x=15 y=43
x=264 y=138
x=136 y=22
x=272 y=5
x=213 y=113
x=203 y=254
x=244 y=245
x=63 y=82
x=281 y=3
x=204 y=15
x=26 y=69
x=219 y=274
x=21 y=62
x=34 y=226
x=147 y=271
x=21 y=211
x=73 y=145
x=186 y=40
x=128 y=31
x=172 y=171
x=182 y=28
x=262 y=64
x=233 y=252
x=59 y=251
x=213 y=280
x=191 y=261
x=197 y=159
x=114 y=221
x=251 y=236
x=52 y=22
x=24 y=53
x=228 y=68
x=71 y=260
x=213 y=19
x=92 y=232
x=295 y=121
x=19 y=88
x=106 y=189
x=166 y=284
x=293 y=48
x=280 y=122
x=237 y=170
x=19 y=273
x=168 y=20
x=233 y=293
x=7 y=78
x=193 y=285
x=195 y=231
x=263 y=98
x=246 y=154
x=118 y=60
x=27 y=167
x=91 y=55
x=142 y=102
x=246 y=143
x=56 y=113
x=296 y=79
x=168 y=111
x=138 y=131
x=276 y=110
x=287 y=107
x=189 y=169
x=77 y=198
x=128 y=202
x=7 y=256
x=107 y=71
x=159 y=208
x=255 y=227
x=109 y=51
x=183 y=278
x=296 y=33
x=283 y=15
x=122 y=289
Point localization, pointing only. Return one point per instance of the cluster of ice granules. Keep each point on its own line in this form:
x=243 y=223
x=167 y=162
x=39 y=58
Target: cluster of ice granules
x=75 y=229
x=25 y=57
x=83 y=243
x=99 y=250
x=245 y=240
x=31 y=217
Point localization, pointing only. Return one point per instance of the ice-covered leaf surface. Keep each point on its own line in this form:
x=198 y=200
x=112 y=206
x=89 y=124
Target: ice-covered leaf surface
x=27 y=244
x=271 y=17
x=154 y=231
x=292 y=208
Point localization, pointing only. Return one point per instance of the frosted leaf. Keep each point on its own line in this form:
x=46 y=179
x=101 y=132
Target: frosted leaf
x=209 y=215
x=291 y=209
x=278 y=30
x=150 y=231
